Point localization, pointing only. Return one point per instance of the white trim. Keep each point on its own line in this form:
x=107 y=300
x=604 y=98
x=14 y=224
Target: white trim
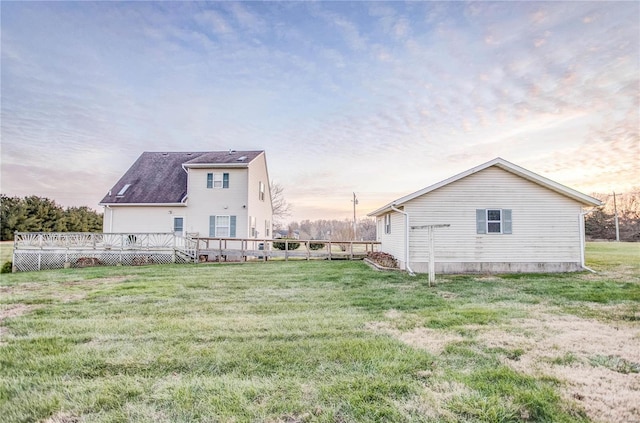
x=504 y=165
x=184 y=224
x=143 y=204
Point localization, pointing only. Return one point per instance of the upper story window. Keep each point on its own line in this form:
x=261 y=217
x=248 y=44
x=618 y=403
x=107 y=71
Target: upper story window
x=261 y=191
x=217 y=180
x=387 y=223
x=493 y=221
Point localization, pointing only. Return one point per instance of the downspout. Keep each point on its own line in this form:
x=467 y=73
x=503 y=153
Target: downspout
x=107 y=207
x=583 y=240
x=406 y=245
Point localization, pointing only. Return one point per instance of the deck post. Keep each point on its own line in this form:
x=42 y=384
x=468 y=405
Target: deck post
x=329 y=250
x=286 y=250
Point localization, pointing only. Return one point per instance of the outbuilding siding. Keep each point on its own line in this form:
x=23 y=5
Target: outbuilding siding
x=545 y=223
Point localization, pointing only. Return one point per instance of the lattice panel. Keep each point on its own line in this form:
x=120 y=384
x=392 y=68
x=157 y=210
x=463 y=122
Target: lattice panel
x=26 y=262
x=29 y=261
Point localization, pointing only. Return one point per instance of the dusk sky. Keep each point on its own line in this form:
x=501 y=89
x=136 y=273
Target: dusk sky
x=377 y=98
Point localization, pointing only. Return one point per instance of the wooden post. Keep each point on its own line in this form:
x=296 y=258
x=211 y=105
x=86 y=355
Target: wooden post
x=432 y=260
x=306 y=244
x=350 y=250
x=286 y=250
x=329 y=250
x=220 y=250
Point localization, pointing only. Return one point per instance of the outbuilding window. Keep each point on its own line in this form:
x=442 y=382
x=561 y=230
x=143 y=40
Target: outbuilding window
x=493 y=221
x=387 y=223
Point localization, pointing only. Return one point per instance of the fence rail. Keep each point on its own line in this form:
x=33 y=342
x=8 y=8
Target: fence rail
x=53 y=250
x=235 y=249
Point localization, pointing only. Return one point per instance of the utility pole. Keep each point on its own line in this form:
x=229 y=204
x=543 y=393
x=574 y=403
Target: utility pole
x=355 y=202
x=615 y=216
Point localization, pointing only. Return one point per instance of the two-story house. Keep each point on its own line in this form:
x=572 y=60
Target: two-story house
x=207 y=194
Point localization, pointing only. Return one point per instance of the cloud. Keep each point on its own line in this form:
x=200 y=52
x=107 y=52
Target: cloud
x=380 y=98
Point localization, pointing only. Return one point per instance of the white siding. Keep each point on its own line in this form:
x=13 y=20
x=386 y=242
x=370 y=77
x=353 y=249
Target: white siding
x=203 y=202
x=545 y=223
x=260 y=209
x=393 y=243
x=141 y=218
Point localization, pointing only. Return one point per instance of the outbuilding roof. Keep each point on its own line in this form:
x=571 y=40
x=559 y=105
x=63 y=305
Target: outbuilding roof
x=504 y=165
x=158 y=178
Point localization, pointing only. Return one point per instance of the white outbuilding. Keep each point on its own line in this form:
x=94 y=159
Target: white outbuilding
x=496 y=218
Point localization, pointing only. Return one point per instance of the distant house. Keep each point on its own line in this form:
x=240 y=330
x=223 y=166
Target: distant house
x=208 y=194
x=501 y=217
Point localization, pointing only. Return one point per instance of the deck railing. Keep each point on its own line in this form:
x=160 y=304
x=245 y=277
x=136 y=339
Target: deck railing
x=226 y=249
x=51 y=250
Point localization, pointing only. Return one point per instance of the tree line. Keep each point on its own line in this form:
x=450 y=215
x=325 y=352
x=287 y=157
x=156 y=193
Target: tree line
x=38 y=214
x=334 y=230
x=600 y=223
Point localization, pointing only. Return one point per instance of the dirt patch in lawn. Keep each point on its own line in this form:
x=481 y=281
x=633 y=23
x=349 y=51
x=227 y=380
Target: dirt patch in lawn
x=431 y=340
x=598 y=361
x=7 y=311
x=14 y=310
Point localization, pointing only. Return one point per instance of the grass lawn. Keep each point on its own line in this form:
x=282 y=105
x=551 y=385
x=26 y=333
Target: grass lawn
x=321 y=342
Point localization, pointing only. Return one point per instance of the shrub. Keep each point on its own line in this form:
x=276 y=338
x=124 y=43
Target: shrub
x=281 y=245
x=7 y=267
x=316 y=245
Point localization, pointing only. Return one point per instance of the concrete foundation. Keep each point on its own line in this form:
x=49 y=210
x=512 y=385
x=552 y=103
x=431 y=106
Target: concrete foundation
x=470 y=267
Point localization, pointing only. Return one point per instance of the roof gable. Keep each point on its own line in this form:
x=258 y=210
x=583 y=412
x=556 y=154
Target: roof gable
x=161 y=178
x=504 y=165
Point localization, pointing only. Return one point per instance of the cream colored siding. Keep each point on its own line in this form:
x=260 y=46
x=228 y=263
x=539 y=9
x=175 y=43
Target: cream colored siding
x=393 y=243
x=545 y=224
x=204 y=202
x=260 y=209
x=142 y=218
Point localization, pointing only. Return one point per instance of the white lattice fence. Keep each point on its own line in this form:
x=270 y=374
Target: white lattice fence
x=33 y=260
x=51 y=250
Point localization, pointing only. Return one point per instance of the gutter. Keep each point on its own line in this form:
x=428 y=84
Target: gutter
x=583 y=240
x=406 y=245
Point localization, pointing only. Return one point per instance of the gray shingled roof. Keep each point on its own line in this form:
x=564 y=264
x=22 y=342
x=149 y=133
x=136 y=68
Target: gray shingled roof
x=158 y=178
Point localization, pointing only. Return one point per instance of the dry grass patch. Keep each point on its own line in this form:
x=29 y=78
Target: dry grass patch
x=564 y=346
x=433 y=341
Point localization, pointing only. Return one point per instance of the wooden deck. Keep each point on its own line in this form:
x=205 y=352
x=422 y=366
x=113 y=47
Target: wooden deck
x=237 y=249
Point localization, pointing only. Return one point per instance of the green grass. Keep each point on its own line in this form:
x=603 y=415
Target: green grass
x=282 y=342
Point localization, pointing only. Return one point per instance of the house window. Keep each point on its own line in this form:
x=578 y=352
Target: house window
x=217 y=180
x=261 y=191
x=493 y=221
x=387 y=223
x=222 y=226
x=267 y=228
x=252 y=229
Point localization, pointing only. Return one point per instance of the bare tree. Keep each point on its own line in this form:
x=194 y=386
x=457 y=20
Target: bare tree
x=281 y=208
